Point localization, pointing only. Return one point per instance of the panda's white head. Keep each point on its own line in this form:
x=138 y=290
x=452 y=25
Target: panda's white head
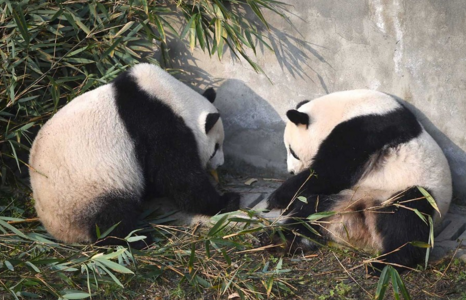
x=297 y=141
x=211 y=147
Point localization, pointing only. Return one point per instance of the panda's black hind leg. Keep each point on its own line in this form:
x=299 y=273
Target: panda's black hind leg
x=398 y=226
x=119 y=208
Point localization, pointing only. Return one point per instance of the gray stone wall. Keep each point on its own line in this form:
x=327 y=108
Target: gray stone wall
x=415 y=50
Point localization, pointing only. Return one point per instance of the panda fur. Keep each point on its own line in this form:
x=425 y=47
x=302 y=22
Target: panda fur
x=367 y=152
x=145 y=135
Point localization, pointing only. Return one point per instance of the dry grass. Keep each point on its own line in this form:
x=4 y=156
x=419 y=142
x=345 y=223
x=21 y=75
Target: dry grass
x=225 y=261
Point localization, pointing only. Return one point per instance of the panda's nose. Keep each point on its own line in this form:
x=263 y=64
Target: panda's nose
x=291 y=172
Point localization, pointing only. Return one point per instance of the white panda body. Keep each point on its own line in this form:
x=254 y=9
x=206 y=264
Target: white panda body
x=62 y=181
x=109 y=149
x=363 y=155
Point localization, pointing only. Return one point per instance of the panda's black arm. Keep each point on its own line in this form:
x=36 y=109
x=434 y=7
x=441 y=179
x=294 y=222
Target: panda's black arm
x=293 y=186
x=192 y=192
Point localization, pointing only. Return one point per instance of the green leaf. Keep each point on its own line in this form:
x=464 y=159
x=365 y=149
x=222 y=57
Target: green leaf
x=160 y=28
x=400 y=284
x=112 y=47
x=302 y=199
x=420 y=244
x=321 y=215
x=429 y=198
x=21 y=23
x=192 y=256
x=8 y=265
x=218 y=31
x=79 y=60
x=269 y=286
x=110 y=274
x=383 y=283
x=81 y=24
x=114 y=266
x=187 y=27
x=220 y=223
x=30 y=264
x=258 y=13
x=13 y=229
x=124 y=29
x=97 y=231
x=75 y=295
x=200 y=32
x=420 y=216
x=136 y=238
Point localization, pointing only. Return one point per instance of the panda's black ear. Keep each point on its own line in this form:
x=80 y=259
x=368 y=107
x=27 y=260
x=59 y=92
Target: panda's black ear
x=210 y=94
x=298 y=117
x=210 y=121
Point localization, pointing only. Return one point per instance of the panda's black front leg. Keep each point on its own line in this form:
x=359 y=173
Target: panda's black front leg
x=300 y=232
x=293 y=186
x=193 y=192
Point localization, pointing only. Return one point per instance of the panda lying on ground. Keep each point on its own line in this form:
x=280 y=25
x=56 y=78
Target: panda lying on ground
x=144 y=135
x=366 y=152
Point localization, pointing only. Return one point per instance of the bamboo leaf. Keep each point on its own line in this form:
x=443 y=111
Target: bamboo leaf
x=200 y=33
x=21 y=23
x=220 y=223
x=321 y=215
x=382 y=283
x=420 y=244
x=302 y=199
x=258 y=13
x=111 y=48
x=124 y=29
x=30 y=264
x=13 y=229
x=9 y=265
x=136 y=238
x=76 y=295
x=191 y=258
x=400 y=284
x=429 y=198
x=187 y=27
x=114 y=266
x=160 y=28
x=110 y=274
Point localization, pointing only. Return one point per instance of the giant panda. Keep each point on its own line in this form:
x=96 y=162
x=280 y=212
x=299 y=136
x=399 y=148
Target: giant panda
x=362 y=155
x=143 y=136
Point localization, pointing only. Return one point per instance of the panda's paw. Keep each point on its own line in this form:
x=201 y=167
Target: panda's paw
x=232 y=201
x=277 y=200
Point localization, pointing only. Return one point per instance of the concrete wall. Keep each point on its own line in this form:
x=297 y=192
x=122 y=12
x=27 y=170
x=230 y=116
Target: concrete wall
x=415 y=50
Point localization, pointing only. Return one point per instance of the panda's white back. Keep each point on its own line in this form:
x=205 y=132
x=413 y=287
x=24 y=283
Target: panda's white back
x=420 y=162
x=66 y=172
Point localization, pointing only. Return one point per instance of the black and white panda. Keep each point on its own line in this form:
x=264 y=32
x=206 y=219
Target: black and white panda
x=145 y=135
x=366 y=152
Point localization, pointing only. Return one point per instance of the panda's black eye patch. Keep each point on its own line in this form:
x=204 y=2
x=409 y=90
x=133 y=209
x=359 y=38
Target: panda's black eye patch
x=294 y=154
x=217 y=146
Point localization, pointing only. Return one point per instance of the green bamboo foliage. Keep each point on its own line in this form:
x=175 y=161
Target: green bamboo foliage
x=53 y=50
